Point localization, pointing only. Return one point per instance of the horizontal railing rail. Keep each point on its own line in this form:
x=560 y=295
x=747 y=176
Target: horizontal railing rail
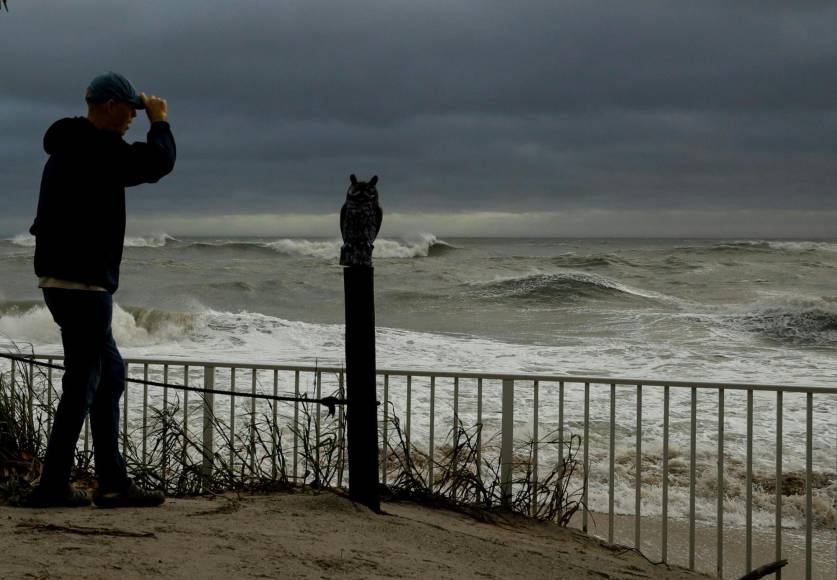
x=477 y=375
x=641 y=435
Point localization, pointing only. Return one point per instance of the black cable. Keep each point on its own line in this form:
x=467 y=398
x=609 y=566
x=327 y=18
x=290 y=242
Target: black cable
x=328 y=402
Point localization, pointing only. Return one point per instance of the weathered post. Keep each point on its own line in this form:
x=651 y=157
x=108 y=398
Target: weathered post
x=360 y=221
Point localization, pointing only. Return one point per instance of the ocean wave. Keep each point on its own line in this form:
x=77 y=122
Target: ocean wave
x=674 y=263
x=427 y=245
x=18 y=306
x=411 y=297
x=227 y=245
x=572 y=260
x=804 y=246
x=150 y=241
x=30 y=321
x=766 y=246
x=22 y=240
x=233 y=286
x=560 y=285
x=326 y=250
x=154 y=325
x=805 y=322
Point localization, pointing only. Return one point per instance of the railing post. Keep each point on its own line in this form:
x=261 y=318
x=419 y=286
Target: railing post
x=535 y=443
x=585 y=493
x=507 y=441
x=778 y=515
x=748 y=513
x=165 y=458
x=31 y=388
x=664 y=530
x=125 y=411
x=431 y=444
x=809 y=468
x=479 y=433
x=50 y=410
x=144 y=418
x=12 y=391
x=208 y=425
x=611 y=478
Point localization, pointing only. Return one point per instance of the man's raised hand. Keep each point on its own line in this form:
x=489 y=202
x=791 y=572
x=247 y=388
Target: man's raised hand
x=155 y=107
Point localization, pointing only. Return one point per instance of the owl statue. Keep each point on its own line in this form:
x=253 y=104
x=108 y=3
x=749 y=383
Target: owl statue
x=360 y=222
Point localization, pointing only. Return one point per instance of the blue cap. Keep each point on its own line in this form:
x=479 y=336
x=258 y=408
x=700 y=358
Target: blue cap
x=113 y=86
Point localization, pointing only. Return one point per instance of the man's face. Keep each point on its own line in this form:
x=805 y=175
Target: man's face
x=120 y=115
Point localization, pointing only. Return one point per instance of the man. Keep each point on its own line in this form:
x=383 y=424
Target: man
x=80 y=230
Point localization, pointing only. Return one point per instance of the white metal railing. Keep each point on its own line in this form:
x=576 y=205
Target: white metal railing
x=422 y=404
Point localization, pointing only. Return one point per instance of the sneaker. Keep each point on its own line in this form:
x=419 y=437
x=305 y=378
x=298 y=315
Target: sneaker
x=131 y=496
x=69 y=496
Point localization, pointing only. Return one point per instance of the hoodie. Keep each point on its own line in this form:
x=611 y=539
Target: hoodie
x=80 y=224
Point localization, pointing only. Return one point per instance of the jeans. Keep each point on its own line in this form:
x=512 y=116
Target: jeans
x=94 y=379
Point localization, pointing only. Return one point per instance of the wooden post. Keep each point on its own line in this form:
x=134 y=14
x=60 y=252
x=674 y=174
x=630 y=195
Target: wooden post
x=362 y=412
x=360 y=222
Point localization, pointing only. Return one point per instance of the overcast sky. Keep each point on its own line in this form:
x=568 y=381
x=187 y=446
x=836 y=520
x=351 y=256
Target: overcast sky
x=480 y=117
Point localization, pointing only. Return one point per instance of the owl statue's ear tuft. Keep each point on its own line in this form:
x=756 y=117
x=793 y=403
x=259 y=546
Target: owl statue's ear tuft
x=373 y=181
x=353 y=179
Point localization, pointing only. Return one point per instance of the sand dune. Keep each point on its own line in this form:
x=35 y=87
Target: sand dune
x=301 y=535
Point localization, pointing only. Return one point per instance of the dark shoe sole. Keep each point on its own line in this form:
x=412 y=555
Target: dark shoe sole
x=78 y=499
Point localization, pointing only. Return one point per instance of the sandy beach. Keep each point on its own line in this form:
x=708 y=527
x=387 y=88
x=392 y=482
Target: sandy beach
x=302 y=535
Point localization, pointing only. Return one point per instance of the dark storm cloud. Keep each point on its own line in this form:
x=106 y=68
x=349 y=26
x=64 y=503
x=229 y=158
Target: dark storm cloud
x=466 y=105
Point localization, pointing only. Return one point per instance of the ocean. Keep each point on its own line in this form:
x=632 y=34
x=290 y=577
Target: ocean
x=747 y=311
x=713 y=310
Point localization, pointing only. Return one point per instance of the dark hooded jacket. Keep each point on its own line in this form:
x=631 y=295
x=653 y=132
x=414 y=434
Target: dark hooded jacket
x=80 y=225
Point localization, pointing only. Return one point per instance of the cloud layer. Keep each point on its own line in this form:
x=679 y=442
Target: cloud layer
x=564 y=107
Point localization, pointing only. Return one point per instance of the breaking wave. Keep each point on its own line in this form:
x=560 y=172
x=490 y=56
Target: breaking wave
x=30 y=321
x=23 y=240
x=427 y=245
x=424 y=246
x=326 y=250
x=150 y=241
x=561 y=285
x=811 y=322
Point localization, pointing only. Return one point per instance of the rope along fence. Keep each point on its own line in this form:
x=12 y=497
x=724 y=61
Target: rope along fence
x=258 y=440
x=329 y=402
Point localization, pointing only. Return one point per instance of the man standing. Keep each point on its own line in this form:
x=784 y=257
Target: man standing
x=80 y=230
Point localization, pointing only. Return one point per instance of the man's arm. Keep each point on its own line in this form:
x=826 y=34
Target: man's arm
x=148 y=162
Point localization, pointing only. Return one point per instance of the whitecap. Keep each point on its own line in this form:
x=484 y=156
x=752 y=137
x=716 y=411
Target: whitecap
x=149 y=241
